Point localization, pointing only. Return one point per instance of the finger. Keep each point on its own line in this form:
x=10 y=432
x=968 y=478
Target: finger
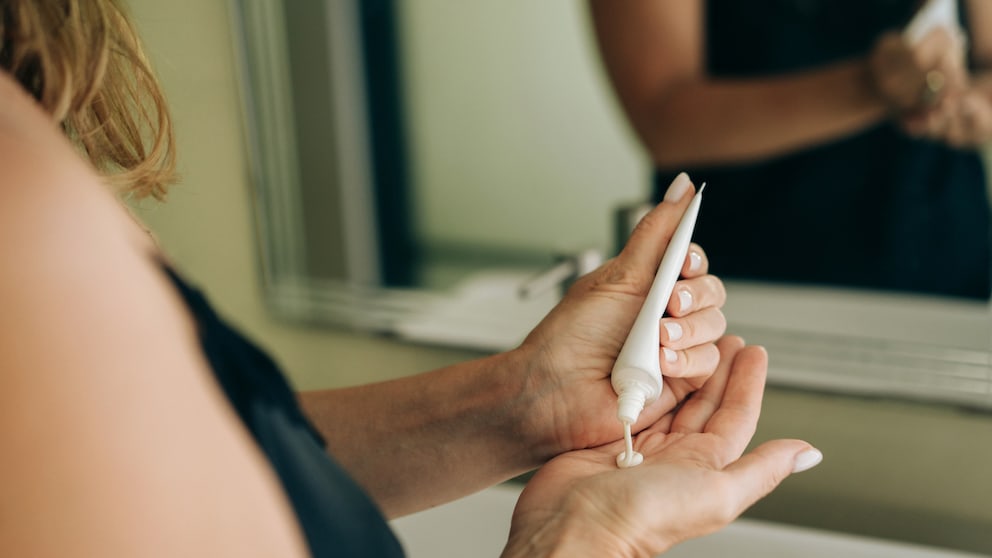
x=933 y=48
x=696 y=263
x=661 y=426
x=698 y=410
x=977 y=115
x=737 y=416
x=957 y=133
x=897 y=70
x=952 y=66
x=691 y=295
x=658 y=415
x=700 y=360
x=642 y=254
x=705 y=326
x=760 y=471
x=938 y=123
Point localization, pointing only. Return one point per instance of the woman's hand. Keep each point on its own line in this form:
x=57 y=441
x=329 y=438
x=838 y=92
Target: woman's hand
x=569 y=356
x=915 y=76
x=693 y=480
x=962 y=121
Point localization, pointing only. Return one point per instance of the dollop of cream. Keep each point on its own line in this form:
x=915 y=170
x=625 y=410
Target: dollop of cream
x=629 y=458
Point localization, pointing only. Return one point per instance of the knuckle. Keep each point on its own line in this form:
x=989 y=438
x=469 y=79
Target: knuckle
x=690 y=329
x=618 y=276
x=718 y=288
x=699 y=359
x=720 y=321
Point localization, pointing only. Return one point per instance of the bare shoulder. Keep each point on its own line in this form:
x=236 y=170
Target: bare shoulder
x=114 y=435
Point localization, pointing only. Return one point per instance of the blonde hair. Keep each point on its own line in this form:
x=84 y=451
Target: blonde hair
x=83 y=62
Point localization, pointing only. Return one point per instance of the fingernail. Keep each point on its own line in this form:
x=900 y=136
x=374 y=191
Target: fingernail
x=674 y=330
x=695 y=261
x=685 y=300
x=807 y=460
x=670 y=355
x=678 y=188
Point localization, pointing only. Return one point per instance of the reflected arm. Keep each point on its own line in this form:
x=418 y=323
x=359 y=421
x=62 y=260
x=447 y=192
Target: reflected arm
x=653 y=53
x=980 y=16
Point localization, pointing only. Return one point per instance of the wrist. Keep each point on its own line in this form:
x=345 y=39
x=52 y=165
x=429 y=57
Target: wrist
x=565 y=534
x=529 y=404
x=870 y=88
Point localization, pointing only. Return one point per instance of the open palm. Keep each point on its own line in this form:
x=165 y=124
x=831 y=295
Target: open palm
x=692 y=482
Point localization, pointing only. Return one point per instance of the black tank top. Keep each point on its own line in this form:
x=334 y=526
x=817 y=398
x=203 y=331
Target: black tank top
x=877 y=209
x=336 y=516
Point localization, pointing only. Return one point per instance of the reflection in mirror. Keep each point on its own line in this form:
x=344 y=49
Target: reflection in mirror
x=439 y=170
x=818 y=171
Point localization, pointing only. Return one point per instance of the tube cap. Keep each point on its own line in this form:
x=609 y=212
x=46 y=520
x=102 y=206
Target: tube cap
x=631 y=402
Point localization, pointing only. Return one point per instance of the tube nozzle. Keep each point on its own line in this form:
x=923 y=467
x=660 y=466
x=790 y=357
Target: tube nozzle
x=630 y=402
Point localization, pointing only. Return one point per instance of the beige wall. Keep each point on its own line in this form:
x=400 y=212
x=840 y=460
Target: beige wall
x=207 y=227
x=909 y=471
x=512 y=120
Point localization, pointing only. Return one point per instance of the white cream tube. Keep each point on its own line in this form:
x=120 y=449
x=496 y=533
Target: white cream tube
x=636 y=375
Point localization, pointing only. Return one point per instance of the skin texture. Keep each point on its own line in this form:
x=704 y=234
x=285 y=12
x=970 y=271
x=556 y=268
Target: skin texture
x=653 y=53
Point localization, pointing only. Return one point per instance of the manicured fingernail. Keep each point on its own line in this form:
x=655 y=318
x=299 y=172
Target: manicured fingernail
x=670 y=355
x=685 y=300
x=678 y=188
x=674 y=330
x=807 y=460
x=695 y=261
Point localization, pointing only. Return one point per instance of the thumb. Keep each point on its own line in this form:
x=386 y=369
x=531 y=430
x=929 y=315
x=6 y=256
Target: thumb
x=647 y=243
x=760 y=471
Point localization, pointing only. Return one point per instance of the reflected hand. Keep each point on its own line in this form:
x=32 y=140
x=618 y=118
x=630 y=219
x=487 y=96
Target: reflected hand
x=962 y=121
x=570 y=355
x=693 y=480
x=914 y=76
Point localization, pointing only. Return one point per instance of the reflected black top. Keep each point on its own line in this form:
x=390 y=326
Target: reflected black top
x=877 y=209
x=335 y=515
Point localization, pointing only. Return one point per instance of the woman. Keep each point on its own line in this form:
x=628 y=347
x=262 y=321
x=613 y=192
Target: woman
x=823 y=132
x=134 y=421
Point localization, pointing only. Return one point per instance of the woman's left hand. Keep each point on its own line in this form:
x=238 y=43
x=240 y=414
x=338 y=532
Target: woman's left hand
x=693 y=480
x=570 y=355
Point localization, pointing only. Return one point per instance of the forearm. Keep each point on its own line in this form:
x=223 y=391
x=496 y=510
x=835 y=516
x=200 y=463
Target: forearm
x=420 y=441
x=733 y=121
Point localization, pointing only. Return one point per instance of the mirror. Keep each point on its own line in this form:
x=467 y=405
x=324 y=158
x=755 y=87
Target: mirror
x=437 y=171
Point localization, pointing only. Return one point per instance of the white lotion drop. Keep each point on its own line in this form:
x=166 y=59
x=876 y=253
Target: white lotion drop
x=629 y=458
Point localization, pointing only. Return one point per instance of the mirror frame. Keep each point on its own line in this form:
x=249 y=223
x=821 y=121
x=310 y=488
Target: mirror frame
x=834 y=340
